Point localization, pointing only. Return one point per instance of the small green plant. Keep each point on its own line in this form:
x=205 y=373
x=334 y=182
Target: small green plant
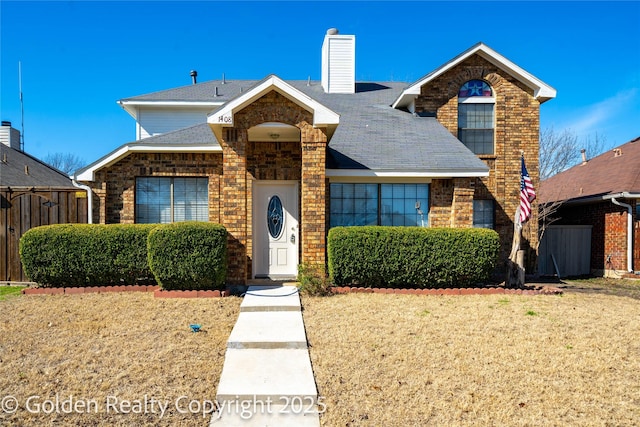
x=10 y=291
x=313 y=280
x=503 y=301
x=424 y=313
x=568 y=347
x=531 y=313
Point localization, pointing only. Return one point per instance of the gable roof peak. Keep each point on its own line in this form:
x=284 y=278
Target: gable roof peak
x=224 y=116
x=541 y=90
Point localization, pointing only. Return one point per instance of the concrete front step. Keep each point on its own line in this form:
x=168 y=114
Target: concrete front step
x=291 y=415
x=271 y=298
x=268 y=330
x=274 y=374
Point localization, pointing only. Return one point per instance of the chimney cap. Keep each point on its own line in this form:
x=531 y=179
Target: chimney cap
x=332 y=31
x=193 y=73
x=6 y=123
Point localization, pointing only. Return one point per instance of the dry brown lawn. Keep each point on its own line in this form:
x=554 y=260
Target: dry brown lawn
x=111 y=349
x=379 y=360
x=406 y=360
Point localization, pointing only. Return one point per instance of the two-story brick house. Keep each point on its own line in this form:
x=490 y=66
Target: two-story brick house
x=278 y=162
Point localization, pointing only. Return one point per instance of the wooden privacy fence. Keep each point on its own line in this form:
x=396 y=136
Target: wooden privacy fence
x=565 y=250
x=21 y=210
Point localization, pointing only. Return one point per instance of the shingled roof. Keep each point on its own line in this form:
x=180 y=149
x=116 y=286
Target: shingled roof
x=371 y=135
x=613 y=172
x=20 y=170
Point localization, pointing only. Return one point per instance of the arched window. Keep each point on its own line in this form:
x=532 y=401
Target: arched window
x=476 y=106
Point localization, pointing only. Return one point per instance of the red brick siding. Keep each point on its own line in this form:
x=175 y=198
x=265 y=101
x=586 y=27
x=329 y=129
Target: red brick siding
x=608 y=235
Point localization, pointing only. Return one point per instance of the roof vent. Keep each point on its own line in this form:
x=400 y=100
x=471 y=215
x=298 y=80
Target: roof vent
x=332 y=31
x=617 y=152
x=584 y=156
x=194 y=75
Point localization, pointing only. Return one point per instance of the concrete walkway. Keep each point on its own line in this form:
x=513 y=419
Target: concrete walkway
x=267 y=378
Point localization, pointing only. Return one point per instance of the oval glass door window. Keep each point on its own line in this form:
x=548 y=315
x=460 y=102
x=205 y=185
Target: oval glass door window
x=275 y=217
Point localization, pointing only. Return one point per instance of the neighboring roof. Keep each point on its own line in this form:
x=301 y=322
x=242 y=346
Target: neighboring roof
x=605 y=175
x=194 y=139
x=541 y=90
x=23 y=170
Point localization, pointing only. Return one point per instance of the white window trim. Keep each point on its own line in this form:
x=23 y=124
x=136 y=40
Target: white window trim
x=477 y=100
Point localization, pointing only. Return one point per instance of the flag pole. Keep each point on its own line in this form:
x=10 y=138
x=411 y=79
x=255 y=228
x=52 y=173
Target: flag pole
x=515 y=263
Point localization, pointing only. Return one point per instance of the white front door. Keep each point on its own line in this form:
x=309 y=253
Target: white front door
x=275 y=229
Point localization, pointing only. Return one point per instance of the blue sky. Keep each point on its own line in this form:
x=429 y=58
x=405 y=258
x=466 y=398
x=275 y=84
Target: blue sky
x=79 y=58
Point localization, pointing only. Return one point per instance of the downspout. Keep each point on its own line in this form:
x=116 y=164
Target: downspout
x=629 y=232
x=89 y=199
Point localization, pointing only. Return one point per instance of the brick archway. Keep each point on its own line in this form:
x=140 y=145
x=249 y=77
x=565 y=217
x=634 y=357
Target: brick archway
x=244 y=163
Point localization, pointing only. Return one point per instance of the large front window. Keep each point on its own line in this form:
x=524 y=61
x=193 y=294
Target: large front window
x=476 y=116
x=379 y=204
x=163 y=200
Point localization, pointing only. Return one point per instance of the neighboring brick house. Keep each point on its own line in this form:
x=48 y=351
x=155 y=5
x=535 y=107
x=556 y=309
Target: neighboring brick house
x=279 y=163
x=603 y=192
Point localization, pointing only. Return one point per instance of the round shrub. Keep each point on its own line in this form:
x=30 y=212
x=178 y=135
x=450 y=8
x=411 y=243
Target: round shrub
x=188 y=255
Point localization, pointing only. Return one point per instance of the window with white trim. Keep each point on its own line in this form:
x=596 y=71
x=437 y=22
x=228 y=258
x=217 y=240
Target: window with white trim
x=476 y=106
x=171 y=199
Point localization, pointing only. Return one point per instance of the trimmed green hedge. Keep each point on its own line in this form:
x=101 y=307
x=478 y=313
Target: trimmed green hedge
x=86 y=254
x=188 y=255
x=411 y=256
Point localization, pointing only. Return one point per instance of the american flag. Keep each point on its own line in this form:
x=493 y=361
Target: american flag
x=527 y=194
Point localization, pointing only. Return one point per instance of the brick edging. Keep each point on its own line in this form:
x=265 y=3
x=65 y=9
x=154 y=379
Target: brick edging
x=544 y=290
x=89 y=290
x=157 y=292
x=160 y=293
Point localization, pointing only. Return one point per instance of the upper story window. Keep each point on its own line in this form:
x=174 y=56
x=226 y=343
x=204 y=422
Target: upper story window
x=476 y=106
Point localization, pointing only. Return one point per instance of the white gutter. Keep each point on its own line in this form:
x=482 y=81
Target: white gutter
x=629 y=230
x=89 y=199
